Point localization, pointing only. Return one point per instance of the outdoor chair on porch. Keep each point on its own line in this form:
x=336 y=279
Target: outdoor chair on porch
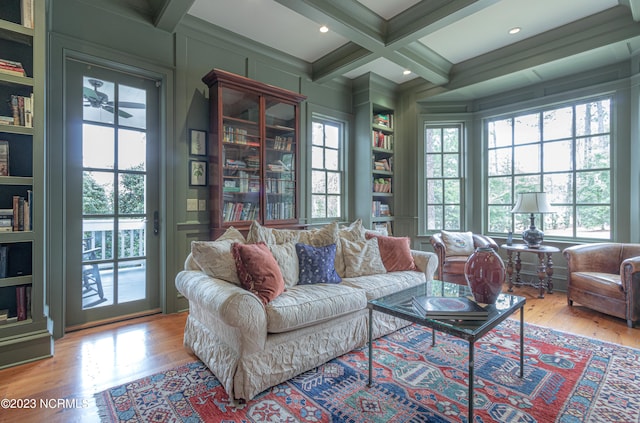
x=91 y=281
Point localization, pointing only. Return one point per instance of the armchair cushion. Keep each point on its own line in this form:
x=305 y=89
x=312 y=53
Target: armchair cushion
x=458 y=243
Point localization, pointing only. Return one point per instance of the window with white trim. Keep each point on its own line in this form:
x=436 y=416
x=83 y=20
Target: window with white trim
x=564 y=151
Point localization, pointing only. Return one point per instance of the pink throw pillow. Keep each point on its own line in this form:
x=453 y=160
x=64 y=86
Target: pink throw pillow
x=258 y=270
x=395 y=252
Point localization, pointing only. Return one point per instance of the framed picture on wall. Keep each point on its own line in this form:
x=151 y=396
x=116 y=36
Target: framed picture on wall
x=198 y=173
x=197 y=142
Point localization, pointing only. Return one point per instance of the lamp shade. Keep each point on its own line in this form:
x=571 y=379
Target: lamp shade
x=532 y=202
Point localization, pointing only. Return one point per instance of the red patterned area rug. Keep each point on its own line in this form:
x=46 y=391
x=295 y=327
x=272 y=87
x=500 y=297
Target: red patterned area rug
x=567 y=378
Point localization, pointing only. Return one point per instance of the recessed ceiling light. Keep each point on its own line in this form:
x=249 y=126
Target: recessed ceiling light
x=324 y=29
x=406 y=72
x=515 y=30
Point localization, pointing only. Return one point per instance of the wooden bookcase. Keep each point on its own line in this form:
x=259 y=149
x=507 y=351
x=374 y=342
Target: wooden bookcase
x=253 y=155
x=24 y=334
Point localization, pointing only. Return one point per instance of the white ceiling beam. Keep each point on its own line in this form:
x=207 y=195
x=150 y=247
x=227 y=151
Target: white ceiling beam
x=429 y=16
x=364 y=28
x=600 y=30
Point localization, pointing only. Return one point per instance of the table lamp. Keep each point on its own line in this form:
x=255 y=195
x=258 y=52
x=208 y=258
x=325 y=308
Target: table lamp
x=532 y=202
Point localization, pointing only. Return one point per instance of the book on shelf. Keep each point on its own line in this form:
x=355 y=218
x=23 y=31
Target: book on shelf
x=22 y=109
x=383 y=119
x=4 y=158
x=4 y=258
x=10 y=67
x=26 y=10
x=4 y=316
x=282 y=143
x=6 y=120
x=380 y=209
x=21 y=302
x=382 y=164
x=449 y=308
x=6 y=220
x=381 y=140
x=22 y=212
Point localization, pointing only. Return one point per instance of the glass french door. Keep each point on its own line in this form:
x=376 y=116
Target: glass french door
x=111 y=194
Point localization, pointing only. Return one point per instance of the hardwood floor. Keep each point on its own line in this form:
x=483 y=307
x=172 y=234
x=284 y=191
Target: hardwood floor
x=92 y=360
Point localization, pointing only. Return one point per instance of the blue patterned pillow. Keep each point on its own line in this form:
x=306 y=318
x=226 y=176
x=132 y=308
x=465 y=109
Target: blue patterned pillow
x=317 y=264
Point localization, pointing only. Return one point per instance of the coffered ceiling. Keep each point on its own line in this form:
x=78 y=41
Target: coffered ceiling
x=455 y=48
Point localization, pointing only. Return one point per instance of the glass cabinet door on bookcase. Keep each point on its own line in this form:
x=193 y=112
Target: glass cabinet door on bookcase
x=241 y=153
x=280 y=153
x=253 y=154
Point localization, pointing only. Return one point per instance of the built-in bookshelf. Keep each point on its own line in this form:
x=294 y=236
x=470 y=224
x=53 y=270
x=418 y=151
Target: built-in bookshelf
x=254 y=130
x=373 y=167
x=22 y=316
x=382 y=157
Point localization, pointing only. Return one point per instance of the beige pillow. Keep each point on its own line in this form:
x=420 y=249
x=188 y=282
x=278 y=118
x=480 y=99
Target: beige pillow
x=287 y=258
x=214 y=257
x=320 y=237
x=457 y=243
x=354 y=232
x=361 y=258
x=271 y=236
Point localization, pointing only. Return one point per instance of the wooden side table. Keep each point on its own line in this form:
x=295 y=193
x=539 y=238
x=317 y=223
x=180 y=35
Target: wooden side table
x=545 y=266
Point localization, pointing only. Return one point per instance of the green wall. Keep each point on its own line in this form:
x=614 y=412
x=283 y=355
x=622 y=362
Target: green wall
x=108 y=34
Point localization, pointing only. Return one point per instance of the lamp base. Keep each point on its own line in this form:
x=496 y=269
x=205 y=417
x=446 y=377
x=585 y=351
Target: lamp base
x=533 y=237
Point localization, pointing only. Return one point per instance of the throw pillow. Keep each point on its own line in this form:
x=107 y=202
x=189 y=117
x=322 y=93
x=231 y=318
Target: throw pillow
x=287 y=259
x=272 y=236
x=395 y=252
x=214 y=257
x=354 y=232
x=362 y=258
x=457 y=243
x=320 y=237
x=258 y=270
x=317 y=264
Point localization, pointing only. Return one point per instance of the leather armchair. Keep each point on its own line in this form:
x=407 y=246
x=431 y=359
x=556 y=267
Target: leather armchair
x=605 y=277
x=451 y=268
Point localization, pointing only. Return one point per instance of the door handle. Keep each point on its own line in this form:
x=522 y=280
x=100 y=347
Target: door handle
x=156 y=222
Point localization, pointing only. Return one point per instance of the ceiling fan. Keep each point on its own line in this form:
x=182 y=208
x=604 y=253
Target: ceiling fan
x=98 y=99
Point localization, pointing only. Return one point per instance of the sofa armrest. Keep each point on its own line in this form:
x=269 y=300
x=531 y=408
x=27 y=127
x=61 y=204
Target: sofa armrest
x=226 y=303
x=426 y=262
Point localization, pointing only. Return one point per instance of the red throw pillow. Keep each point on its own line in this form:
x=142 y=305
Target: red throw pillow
x=395 y=252
x=258 y=270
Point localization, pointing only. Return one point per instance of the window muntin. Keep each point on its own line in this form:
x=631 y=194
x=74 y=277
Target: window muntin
x=443 y=176
x=563 y=151
x=326 y=169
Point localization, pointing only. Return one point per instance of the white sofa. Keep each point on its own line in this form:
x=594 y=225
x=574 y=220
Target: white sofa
x=250 y=346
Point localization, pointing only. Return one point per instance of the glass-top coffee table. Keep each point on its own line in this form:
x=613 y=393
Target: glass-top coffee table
x=399 y=305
